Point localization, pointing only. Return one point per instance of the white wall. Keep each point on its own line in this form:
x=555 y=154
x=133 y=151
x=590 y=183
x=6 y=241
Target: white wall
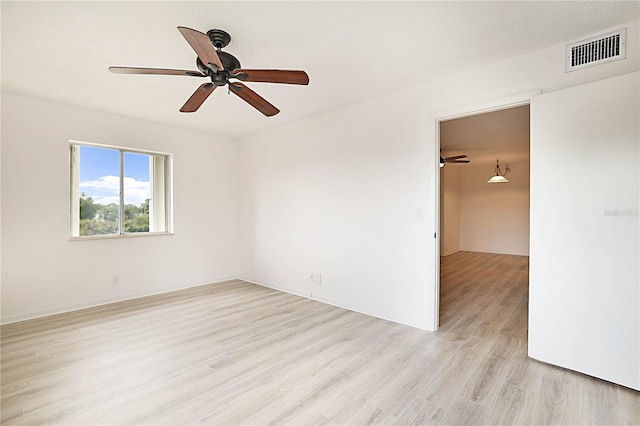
x=450 y=209
x=494 y=218
x=329 y=195
x=482 y=217
x=43 y=272
x=585 y=249
x=338 y=193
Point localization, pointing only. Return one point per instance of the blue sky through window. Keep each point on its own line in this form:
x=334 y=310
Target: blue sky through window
x=97 y=162
x=100 y=170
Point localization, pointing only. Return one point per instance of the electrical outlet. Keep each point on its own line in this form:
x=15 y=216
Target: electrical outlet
x=115 y=280
x=312 y=278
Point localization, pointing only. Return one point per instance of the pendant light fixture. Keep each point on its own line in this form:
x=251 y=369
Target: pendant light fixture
x=499 y=177
x=441 y=162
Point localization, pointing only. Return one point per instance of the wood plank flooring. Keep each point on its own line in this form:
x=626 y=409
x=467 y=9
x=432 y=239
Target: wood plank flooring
x=237 y=353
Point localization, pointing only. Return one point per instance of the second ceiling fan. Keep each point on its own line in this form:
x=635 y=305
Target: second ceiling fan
x=222 y=67
x=455 y=159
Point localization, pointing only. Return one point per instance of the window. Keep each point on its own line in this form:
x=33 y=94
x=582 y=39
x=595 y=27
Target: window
x=118 y=191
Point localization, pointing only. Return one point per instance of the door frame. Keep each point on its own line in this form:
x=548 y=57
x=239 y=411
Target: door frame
x=450 y=114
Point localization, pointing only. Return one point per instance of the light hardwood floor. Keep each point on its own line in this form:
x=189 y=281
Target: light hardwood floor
x=237 y=353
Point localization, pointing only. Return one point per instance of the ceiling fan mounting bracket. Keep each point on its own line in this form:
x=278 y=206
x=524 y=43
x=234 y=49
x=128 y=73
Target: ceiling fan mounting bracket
x=219 y=38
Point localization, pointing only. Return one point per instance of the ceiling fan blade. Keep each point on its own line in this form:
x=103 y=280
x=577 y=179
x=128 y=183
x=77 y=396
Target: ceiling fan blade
x=455 y=157
x=253 y=99
x=272 y=76
x=458 y=161
x=199 y=96
x=155 y=71
x=202 y=45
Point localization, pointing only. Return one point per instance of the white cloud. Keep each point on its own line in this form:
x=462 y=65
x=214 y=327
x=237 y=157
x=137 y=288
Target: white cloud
x=106 y=189
x=136 y=191
x=105 y=183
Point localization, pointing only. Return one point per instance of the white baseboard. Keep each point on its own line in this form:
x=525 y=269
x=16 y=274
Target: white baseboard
x=290 y=290
x=102 y=302
x=497 y=252
x=339 y=304
x=382 y=315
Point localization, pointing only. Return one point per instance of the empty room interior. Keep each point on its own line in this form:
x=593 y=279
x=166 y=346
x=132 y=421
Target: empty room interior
x=484 y=222
x=320 y=213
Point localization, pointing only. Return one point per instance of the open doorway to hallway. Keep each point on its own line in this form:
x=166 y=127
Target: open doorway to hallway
x=484 y=227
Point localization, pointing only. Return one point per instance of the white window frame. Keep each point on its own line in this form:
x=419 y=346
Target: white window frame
x=157 y=172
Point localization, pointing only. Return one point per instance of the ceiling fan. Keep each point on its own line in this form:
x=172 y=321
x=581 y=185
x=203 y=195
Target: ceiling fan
x=456 y=159
x=221 y=67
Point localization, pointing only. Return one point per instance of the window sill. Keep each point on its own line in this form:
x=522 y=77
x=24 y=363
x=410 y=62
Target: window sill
x=120 y=236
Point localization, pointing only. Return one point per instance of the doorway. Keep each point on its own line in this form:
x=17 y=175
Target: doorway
x=490 y=220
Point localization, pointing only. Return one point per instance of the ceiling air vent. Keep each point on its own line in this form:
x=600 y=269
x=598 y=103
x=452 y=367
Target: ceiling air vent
x=597 y=50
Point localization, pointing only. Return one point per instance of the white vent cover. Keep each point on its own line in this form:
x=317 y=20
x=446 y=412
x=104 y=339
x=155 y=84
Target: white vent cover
x=597 y=50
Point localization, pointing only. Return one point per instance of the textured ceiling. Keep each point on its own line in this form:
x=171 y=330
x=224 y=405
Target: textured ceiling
x=351 y=50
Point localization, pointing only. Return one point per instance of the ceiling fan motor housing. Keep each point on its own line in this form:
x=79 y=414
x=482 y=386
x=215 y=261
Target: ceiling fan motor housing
x=220 y=39
x=220 y=78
